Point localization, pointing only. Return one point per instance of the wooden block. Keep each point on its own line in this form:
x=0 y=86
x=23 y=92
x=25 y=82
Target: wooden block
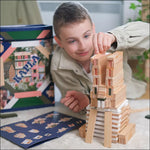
x=114 y=81
x=95 y=58
x=118 y=97
x=93 y=102
x=43 y=50
x=126 y=133
x=82 y=131
x=100 y=61
x=124 y=125
x=28 y=94
x=101 y=94
x=115 y=88
x=115 y=141
x=112 y=72
x=115 y=57
x=8 y=52
x=2 y=83
x=91 y=125
x=120 y=94
x=93 y=99
x=108 y=129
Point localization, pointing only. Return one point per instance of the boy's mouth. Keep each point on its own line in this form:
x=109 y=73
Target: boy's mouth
x=83 y=53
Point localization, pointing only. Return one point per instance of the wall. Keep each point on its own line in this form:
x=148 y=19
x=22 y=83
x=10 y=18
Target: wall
x=105 y=14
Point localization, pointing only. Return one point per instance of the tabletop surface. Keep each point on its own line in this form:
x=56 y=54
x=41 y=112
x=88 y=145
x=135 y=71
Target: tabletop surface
x=72 y=140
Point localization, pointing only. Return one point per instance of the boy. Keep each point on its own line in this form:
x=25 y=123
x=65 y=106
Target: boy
x=77 y=42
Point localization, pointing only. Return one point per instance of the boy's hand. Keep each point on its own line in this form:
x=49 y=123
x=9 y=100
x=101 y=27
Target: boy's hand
x=75 y=100
x=102 y=42
x=71 y=103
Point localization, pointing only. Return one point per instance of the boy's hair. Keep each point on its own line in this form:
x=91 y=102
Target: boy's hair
x=69 y=12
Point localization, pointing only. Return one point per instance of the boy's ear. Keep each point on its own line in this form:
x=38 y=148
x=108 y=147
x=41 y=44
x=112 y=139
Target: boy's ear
x=57 y=40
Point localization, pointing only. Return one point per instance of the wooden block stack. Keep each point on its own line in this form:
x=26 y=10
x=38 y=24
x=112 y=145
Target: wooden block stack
x=120 y=119
x=108 y=113
x=114 y=79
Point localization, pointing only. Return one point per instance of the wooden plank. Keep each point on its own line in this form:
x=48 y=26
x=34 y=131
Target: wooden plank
x=28 y=94
x=2 y=83
x=93 y=102
x=8 y=52
x=91 y=126
x=82 y=131
x=139 y=110
x=43 y=50
x=108 y=129
x=126 y=133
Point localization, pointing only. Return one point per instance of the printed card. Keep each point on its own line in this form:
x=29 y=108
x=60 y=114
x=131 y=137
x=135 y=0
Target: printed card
x=40 y=129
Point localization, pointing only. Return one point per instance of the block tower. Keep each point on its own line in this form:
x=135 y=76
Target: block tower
x=108 y=114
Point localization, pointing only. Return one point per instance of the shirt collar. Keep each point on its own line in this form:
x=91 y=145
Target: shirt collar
x=66 y=62
x=70 y=63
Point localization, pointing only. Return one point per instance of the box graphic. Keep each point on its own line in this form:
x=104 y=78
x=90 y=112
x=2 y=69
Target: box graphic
x=25 y=53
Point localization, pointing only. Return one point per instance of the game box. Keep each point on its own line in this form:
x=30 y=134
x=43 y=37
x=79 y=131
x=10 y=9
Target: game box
x=25 y=55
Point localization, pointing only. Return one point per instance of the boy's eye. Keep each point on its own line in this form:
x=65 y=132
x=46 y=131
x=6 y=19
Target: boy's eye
x=72 y=41
x=86 y=36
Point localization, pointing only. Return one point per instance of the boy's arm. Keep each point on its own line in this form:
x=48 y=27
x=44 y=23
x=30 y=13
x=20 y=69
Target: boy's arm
x=133 y=37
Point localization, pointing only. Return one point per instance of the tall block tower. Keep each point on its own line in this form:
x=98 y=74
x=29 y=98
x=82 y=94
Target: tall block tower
x=108 y=114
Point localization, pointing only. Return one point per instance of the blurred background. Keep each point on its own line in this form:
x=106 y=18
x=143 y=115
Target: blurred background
x=105 y=14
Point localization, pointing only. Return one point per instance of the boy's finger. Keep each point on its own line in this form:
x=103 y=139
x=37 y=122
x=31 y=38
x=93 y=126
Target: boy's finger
x=73 y=104
x=96 y=50
x=100 y=42
x=69 y=101
x=70 y=93
x=63 y=100
x=76 y=108
x=106 y=42
x=109 y=44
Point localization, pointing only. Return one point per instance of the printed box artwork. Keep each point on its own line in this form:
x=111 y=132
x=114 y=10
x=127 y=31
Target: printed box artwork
x=25 y=52
x=40 y=129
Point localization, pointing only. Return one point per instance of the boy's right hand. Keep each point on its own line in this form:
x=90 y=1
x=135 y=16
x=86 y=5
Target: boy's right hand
x=102 y=41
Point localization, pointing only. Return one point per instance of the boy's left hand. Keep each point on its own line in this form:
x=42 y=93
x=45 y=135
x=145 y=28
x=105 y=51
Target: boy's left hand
x=71 y=103
x=102 y=42
x=75 y=100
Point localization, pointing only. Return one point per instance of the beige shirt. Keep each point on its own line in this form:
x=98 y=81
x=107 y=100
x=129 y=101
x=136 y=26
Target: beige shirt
x=67 y=74
x=132 y=38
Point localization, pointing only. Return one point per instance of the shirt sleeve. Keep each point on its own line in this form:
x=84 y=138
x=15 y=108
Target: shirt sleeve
x=133 y=37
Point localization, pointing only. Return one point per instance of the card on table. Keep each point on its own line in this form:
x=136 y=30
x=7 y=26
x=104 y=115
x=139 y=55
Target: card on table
x=40 y=129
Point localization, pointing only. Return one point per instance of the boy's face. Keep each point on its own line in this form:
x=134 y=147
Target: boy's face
x=77 y=40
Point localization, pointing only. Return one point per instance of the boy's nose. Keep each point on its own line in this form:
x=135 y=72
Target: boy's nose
x=82 y=45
